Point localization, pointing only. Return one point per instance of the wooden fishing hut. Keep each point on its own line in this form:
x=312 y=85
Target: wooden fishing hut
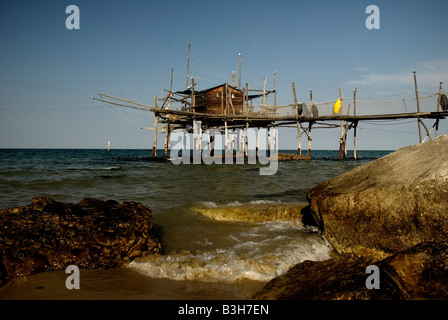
x=225 y=107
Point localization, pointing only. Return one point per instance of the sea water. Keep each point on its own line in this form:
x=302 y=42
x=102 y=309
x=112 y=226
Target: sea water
x=197 y=250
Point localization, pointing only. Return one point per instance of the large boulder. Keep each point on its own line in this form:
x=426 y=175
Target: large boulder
x=387 y=205
x=49 y=235
x=420 y=272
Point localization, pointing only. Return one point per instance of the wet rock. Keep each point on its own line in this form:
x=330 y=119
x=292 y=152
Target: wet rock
x=292 y=157
x=392 y=213
x=417 y=273
x=388 y=205
x=255 y=212
x=50 y=235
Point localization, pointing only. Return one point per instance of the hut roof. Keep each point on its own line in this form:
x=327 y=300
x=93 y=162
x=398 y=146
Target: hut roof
x=188 y=91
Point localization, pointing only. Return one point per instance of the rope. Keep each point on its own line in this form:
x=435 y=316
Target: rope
x=121 y=115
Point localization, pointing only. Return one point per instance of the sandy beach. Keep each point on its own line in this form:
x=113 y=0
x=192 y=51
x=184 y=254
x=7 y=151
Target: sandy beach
x=122 y=284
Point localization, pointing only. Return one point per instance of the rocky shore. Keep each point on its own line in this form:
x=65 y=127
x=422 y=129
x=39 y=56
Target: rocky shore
x=255 y=212
x=49 y=235
x=391 y=213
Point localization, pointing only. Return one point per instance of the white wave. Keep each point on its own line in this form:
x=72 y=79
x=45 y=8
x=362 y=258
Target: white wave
x=264 y=202
x=209 y=204
x=251 y=260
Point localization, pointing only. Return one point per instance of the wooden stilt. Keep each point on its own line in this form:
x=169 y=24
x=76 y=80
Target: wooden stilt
x=208 y=142
x=167 y=139
x=346 y=133
x=233 y=142
x=226 y=147
x=156 y=121
x=212 y=144
x=195 y=138
x=246 y=149
x=418 y=108
x=299 y=138
x=438 y=109
x=184 y=151
x=269 y=141
x=274 y=141
x=310 y=124
x=200 y=139
x=341 y=140
x=258 y=142
x=354 y=140
x=355 y=124
x=309 y=138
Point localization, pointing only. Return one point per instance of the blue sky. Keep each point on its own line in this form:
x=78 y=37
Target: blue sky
x=48 y=73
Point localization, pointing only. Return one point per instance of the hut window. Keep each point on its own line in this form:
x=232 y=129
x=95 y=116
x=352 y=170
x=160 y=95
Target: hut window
x=233 y=96
x=217 y=94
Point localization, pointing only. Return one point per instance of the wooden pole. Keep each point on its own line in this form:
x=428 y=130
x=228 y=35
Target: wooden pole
x=168 y=127
x=258 y=142
x=295 y=99
x=233 y=142
x=355 y=124
x=309 y=138
x=418 y=108
x=244 y=101
x=341 y=140
x=275 y=89
x=346 y=132
x=226 y=138
x=264 y=96
x=171 y=90
x=195 y=138
x=247 y=98
x=188 y=66
x=227 y=98
x=274 y=137
x=233 y=78
x=438 y=109
x=246 y=149
x=156 y=120
x=354 y=140
x=269 y=141
x=239 y=71
x=299 y=133
x=212 y=144
x=222 y=103
x=184 y=151
x=167 y=139
x=193 y=100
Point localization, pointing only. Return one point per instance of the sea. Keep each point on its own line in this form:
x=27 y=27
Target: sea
x=202 y=258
